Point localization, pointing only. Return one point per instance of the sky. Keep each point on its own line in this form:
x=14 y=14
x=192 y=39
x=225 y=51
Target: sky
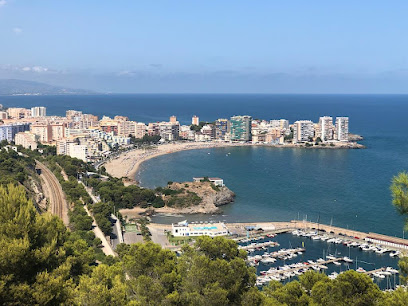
x=224 y=46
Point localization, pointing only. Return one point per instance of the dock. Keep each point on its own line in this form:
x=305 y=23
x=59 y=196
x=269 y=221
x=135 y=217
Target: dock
x=258 y=245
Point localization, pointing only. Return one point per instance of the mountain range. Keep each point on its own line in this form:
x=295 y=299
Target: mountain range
x=23 y=87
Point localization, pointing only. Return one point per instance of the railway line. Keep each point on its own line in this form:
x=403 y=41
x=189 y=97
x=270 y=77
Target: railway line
x=58 y=203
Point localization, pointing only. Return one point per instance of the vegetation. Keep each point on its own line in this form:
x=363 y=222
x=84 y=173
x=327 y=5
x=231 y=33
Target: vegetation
x=399 y=192
x=145 y=140
x=43 y=263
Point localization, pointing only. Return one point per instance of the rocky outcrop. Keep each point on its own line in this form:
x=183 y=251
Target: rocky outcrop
x=211 y=198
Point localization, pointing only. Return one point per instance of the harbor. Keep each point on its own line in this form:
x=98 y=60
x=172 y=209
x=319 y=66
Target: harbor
x=293 y=254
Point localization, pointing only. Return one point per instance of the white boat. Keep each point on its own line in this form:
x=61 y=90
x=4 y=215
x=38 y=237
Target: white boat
x=333 y=275
x=316 y=237
x=330 y=256
x=395 y=253
x=347 y=259
x=378 y=275
x=360 y=270
x=392 y=270
x=337 y=263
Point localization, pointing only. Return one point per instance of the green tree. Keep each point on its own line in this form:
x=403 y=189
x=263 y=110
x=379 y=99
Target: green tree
x=399 y=193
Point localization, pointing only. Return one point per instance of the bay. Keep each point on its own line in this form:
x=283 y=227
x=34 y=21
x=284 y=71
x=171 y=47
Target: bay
x=350 y=187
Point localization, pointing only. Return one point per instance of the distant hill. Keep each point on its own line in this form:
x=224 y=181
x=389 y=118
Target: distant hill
x=22 y=87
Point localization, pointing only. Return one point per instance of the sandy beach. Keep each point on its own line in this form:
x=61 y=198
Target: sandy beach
x=127 y=164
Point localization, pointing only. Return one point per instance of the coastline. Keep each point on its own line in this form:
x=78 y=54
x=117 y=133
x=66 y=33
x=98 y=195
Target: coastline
x=128 y=163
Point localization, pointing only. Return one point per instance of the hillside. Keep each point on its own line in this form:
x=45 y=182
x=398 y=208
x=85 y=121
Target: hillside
x=23 y=87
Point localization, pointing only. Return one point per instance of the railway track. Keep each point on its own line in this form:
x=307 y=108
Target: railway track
x=58 y=204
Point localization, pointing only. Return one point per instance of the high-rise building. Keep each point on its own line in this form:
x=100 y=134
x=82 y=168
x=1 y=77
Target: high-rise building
x=240 y=128
x=303 y=130
x=222 y=128
x=195 y=120
x=342 y=129
x=326 y=128
x=38 y=111
x=43 y=130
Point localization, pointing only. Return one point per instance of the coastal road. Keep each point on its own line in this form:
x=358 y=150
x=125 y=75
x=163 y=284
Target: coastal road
x=106 y=247
x=58 y=203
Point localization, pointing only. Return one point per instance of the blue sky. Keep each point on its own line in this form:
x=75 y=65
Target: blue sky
x=208 y=46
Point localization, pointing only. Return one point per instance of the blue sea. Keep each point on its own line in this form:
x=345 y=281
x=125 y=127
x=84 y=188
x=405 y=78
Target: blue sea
x=348 y=188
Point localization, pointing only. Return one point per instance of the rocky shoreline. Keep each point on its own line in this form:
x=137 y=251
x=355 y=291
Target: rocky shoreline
x=211 y=198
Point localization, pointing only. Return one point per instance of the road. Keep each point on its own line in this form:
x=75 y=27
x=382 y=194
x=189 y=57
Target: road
x=106 y=247
x=58 y=203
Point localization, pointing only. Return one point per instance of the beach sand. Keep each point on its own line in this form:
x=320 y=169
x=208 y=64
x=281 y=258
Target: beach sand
x=127 y=164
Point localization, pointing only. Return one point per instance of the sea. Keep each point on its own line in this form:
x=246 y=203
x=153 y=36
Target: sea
x=346 y=188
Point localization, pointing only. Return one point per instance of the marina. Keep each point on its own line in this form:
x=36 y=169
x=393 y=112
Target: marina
x=294 y=253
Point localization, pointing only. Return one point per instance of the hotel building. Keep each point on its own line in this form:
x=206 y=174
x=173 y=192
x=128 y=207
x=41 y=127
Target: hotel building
x=241 y=128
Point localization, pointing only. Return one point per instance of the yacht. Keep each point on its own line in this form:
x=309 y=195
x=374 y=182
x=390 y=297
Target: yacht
x=395 y=253
x=347 y=259
x=337 y=263
x=360 y=270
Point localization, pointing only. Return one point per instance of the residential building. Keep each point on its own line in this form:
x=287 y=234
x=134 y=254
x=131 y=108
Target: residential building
x=9 y=131
x=126 y=128
x=3 y=115
x=73 y=149
x=18 y=113
x=153 y=129
x=325 y=128
x=282 y=124
x=27 y=139
x=70 y=114
x=303 y=130
x=173 y=119
x=169 y=131
x=342 y=129
x=140 y=130
x=109 y=125
x=43 y=130
x=58 y=130
x=78 y=151
x=222 y=128
x=240 y=127
x=208 y=131
x=195 y=120
x=38 y=111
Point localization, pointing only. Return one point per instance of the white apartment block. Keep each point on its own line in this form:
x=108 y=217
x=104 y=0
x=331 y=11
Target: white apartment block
x=303 y=130
x=342 y=128
x=326 y=128
x=38 y=111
